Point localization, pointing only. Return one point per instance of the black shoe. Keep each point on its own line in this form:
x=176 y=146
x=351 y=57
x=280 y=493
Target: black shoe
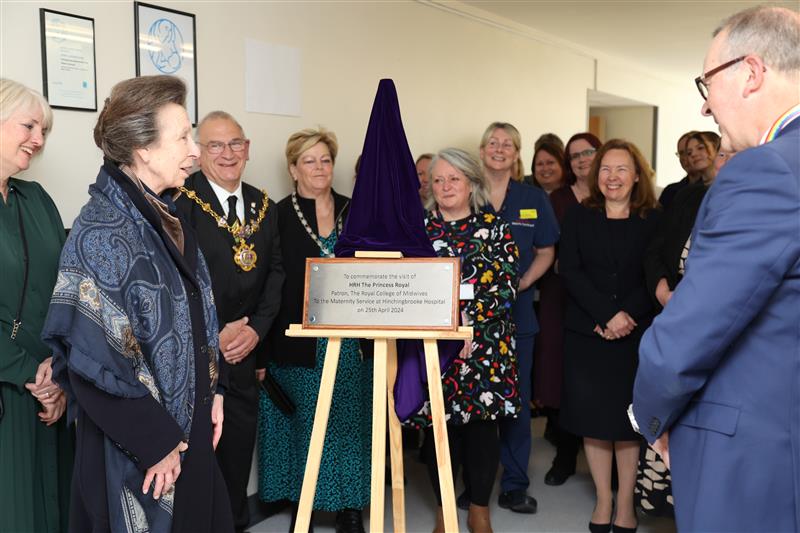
x=619 y=529
x=557 y=476
x=462 y=502
x=599 y=528
x=349 y=521
x=517 y=501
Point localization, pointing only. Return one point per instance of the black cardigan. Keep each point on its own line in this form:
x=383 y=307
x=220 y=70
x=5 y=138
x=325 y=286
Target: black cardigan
x=597 y=286
x=664 y=253
x=296 y=246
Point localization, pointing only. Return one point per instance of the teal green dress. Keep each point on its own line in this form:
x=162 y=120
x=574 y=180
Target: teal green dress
x=344 y=473
x=35 y=460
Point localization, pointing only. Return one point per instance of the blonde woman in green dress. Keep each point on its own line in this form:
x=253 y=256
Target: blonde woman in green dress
x=35 y=449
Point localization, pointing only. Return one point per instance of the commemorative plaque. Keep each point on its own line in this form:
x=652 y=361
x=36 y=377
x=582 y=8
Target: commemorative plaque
x=414 y=293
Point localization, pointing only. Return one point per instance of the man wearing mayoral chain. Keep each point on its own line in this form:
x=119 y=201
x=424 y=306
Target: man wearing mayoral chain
x=238 y=229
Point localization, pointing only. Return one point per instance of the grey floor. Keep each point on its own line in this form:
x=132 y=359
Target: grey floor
x=561 y=509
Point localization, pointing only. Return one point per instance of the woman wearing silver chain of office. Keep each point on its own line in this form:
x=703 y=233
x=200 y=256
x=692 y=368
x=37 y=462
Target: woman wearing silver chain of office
x=310 y=221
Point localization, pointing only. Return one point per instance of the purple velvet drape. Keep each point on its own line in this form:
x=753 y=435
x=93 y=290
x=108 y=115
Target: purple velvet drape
x=386 y=215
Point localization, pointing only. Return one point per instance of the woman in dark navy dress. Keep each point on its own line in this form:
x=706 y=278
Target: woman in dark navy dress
x=601 y=263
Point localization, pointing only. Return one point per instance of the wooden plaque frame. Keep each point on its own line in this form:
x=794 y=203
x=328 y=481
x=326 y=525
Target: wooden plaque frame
x=456 y=284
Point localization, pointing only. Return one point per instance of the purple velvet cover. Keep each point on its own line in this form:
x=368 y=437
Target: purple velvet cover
x=386 y=215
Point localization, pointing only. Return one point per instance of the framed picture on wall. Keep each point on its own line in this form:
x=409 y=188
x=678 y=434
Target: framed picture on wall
x=166 y=44
x=69 y=75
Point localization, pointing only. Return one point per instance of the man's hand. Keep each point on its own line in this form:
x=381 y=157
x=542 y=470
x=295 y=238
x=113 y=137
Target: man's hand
x=165 y=472
x=663 y=294
x=43 y=388
x=54 y=409
x=217 y=416
x=661 y=446
x=241 y=346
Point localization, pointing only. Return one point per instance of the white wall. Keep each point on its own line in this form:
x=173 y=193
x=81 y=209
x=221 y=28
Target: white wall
x=633 y=123
x=454 y=75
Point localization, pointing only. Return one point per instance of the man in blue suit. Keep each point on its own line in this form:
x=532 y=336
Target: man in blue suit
x=718 y=385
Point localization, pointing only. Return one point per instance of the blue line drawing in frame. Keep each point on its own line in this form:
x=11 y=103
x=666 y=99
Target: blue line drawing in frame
x=165 y=44
x=166 y=36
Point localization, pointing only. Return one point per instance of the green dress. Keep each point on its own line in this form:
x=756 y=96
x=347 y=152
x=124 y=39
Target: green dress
x=344 y=473
x=35 y=460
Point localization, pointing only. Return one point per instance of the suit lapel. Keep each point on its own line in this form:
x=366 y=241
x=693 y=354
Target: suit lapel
x=252 y=203
x=206 y=193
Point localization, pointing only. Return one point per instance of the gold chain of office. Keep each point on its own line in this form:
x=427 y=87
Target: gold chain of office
x=244 y=254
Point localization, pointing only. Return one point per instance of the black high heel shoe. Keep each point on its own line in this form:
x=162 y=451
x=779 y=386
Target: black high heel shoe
x=619 y=529
x=599 y=528
x=603 y=528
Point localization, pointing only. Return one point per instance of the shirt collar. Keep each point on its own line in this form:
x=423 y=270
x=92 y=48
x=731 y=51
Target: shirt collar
x=222 y=196
x=13 y=185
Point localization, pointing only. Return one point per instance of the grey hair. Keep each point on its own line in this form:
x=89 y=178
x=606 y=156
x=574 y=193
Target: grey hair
x=129 y=119
x=220 y=115
x=469 y=166
x=15 y=96
x=772 y=33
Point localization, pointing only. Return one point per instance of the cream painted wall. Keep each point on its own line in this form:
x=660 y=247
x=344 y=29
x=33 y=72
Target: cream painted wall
x=453 y=77
x=633 y=123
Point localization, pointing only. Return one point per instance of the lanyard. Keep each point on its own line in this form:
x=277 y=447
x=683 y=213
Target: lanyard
x=25 y=259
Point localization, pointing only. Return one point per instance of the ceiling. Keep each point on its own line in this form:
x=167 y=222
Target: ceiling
x=672 y=34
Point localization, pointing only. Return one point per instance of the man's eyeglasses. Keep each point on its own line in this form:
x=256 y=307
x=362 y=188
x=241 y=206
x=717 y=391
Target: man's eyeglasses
x=702 y=81
x=585 y=153
x=217 y=147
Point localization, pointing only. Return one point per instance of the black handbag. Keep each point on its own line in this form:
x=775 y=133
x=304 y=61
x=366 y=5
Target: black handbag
x=278 y=396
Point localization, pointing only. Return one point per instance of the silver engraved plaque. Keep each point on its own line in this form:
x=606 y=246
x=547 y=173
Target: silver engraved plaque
x=382 y=293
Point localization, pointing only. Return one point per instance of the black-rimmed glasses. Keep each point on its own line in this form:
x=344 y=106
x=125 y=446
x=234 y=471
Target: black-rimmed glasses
x=217 y=147
x=702 y=81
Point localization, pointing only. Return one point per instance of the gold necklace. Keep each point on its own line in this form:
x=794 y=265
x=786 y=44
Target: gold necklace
x=244 y=255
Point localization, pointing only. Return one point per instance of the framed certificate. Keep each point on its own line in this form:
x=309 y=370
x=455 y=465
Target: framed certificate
x=166 y=44
x=69 y=73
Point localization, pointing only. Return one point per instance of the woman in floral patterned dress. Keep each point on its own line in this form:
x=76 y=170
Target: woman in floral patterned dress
x=480 y=385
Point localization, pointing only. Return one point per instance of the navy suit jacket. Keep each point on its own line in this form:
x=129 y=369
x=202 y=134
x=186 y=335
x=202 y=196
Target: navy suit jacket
x=720 y=367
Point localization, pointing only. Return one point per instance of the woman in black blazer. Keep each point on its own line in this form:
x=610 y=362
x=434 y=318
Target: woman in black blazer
x=603 y=241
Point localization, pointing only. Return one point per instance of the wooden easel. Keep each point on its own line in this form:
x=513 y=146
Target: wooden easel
x=384 y=376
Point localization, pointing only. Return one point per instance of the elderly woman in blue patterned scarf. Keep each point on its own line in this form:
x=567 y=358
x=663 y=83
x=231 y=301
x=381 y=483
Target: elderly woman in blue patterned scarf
x=134 y=333
x=480 y=386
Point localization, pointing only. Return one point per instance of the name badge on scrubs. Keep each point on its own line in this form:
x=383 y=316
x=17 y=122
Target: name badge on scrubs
x=529 y=214
x=467 y=291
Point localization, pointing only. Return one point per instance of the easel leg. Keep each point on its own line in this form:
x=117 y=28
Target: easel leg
x=318 y=435
x=378 y=437
x=440 y=436
x=395 y=445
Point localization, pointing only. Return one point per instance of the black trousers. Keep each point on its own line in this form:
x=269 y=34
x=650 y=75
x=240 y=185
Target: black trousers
x=235 y=449
x=476 y=447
